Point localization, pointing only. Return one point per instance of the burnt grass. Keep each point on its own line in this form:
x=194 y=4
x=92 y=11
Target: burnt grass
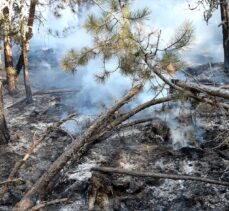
x=144 y=147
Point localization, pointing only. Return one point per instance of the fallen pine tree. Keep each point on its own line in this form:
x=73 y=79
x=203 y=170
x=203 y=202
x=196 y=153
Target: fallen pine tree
x=101 y=129
x=210 y=90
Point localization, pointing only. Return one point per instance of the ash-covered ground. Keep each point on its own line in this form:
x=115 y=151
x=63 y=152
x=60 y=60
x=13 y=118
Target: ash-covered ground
x=181 y=138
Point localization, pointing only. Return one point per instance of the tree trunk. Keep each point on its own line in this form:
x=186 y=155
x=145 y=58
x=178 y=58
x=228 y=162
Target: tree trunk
x=10 y=71
x=29 y=34
x=4 y=133
x=76 y=149
x=26 y=36
x=19 y=65
x=29 y=97
x=210 y=90
x=225 y=28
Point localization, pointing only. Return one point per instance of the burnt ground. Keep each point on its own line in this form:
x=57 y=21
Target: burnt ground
x=192 y=141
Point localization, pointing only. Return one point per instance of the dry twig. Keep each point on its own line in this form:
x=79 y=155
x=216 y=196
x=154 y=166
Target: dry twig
x=11 y=182
x=158 y=175
x=45 y=204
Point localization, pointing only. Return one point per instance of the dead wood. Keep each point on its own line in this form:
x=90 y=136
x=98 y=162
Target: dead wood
x=35 y=143
x=76 y=149
x=45 y=204
x=139 y=108
x=210 y=90
x=80 y=146
x=55 y=91
x=224 y=87
x=12 y=182
x=158 y=175
x=181 y=86
x=136 y=122
x=96 y=132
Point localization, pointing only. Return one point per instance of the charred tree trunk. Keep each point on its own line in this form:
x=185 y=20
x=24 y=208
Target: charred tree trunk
x=19 y=65
x=28 y=90
x=29 y=34
x=4 y=133
x=26 y=36
x=225 y=28
x=10 y=71
x=32 y=11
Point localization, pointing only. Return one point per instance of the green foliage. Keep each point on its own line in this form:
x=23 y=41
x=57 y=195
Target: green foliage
x=70 y=61
x=74 y=59
x=138 y=15
x=183 y=36
x=173 y=58
x=118 y=32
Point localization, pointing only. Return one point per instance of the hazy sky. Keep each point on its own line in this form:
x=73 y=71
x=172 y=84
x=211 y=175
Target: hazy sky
x=166 y=15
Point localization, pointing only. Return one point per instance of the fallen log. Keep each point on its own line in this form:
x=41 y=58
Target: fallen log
x=137 y=122
x=55 y=91
x=181 y=86
x=210 y=90
x=80 y=146
x=158 y=175
x=76 y=149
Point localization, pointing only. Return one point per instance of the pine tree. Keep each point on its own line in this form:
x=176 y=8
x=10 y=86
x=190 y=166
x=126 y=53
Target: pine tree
x=119 y=34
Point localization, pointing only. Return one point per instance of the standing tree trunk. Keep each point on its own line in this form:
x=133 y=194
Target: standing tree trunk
x=26 y=35
x=225 y=27
x=4 y=133
x=29 y=98
x=29 y=34
x=10 y=71
x=19 y=65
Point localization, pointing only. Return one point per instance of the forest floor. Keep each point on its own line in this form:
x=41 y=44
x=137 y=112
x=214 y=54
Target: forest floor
x=192 y=141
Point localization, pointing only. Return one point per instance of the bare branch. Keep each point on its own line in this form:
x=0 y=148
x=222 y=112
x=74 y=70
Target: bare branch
x=45 y=204
x=158 y=175
x=11 y=182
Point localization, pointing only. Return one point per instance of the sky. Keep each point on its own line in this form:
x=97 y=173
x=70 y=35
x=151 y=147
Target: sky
x=166 y=15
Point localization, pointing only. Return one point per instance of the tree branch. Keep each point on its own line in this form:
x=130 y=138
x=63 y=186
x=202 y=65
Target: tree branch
x=74 y=150
x=158 y=175
x=45 y=204
x=10 y=182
